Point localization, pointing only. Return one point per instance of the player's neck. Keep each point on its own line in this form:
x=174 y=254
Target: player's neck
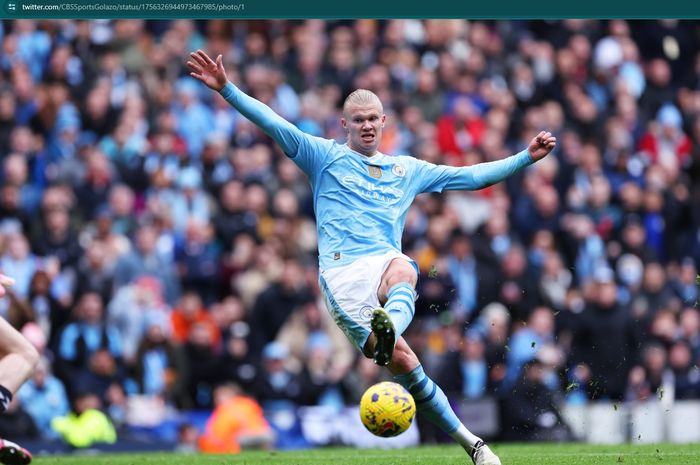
x=362 y=152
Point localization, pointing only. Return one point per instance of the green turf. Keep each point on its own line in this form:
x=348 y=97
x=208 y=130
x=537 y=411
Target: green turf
x=511 y=454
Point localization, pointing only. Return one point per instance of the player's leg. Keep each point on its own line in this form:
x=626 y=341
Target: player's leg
x=344 y=292
x=17 y=361
x=18 y=357
x=397 y=293
x=432 y=402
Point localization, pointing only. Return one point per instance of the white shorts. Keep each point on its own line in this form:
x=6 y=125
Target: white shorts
x=350 y=293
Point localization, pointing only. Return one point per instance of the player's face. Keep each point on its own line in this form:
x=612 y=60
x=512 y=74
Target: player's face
x=364 y=124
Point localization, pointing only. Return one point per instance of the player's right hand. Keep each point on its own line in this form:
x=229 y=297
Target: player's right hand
x=210 y=72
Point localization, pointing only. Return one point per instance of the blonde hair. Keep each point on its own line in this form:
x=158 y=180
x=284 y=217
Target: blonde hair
x=362 y=97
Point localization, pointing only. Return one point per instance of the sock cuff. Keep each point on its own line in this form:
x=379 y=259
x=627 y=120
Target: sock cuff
x=412 y=377
x=405 y=287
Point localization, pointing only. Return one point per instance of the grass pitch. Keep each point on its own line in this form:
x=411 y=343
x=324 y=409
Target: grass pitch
x=511 y=454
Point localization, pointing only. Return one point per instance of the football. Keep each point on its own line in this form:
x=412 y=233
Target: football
x=387 y=409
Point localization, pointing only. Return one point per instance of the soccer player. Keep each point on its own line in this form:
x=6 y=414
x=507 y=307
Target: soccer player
x=361 y=198
x=17 y=361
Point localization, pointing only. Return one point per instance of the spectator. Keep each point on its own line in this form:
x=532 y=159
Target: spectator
x=518 y=290
x=308 y=321
x=18 y=261
x=236 y=423
x=144 y=260
x=85 y=425
x=160 y=366
x=87 y=334
x=532 y=413
x=44 y=398
x=50 y=312
x=472 y=380
x=197 y=261
x=202 y=365
x=651 y=378
x=95 y=271
x=233 y=218
x=189 y=201
x=57 y=238
x=101 y=375
x=274 y=305
x=276 y=387
x=131 y=309
x=189 y=312
x=475 y=283
x=527 y=341
x=603 y=341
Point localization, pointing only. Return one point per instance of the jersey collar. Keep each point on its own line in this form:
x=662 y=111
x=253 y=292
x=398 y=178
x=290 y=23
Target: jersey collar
x=373 y=159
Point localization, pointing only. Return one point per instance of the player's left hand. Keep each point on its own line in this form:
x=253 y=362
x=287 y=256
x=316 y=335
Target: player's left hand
x=210 y=72
x=541 y=145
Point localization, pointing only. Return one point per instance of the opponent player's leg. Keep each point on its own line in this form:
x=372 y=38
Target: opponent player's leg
x=18 y=357
x=17 y=361
x=432 y=402
x=397 y=293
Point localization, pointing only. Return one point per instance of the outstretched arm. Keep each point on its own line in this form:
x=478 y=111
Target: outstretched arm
x=213 y=74
x=485 y=174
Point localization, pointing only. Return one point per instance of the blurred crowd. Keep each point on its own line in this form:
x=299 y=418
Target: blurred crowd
x=164 y=248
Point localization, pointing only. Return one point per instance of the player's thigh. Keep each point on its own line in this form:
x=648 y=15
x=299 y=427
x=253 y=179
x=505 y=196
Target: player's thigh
x=399 y=270
x=11 y=341
x=350 y=303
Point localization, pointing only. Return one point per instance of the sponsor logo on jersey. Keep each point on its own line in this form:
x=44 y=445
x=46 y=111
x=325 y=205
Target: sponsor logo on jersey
x=370 y=190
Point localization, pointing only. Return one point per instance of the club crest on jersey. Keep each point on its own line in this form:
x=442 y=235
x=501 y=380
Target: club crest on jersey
x=375 y=171
x=398 y=170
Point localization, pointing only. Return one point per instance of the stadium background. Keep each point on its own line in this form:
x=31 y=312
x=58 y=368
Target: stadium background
x=163 y=246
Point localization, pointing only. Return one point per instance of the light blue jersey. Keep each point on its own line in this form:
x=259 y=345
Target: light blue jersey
x=361 y=202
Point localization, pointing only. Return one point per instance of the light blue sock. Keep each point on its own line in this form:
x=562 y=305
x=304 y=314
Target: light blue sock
x=430 y=400
x=401 y=306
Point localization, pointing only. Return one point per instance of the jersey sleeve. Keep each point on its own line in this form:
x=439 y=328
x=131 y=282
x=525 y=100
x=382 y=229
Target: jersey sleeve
x=436 y=178
x=305 y=150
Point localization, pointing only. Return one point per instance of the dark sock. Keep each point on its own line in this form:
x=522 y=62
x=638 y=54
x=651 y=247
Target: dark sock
x=5 y=398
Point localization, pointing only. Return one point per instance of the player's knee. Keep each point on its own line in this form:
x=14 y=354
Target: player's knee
x=401 y=277
x=30 y=355
x=400 y=272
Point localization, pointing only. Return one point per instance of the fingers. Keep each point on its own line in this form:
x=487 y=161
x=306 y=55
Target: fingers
x=546 y=138
x=207 y=60
x=542 y=136
x=6 y=280
x=198 y=59
x=220 y=62
x=194 y=67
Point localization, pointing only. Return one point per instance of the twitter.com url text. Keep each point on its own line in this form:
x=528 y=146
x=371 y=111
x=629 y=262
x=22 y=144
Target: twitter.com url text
x=128 y=7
